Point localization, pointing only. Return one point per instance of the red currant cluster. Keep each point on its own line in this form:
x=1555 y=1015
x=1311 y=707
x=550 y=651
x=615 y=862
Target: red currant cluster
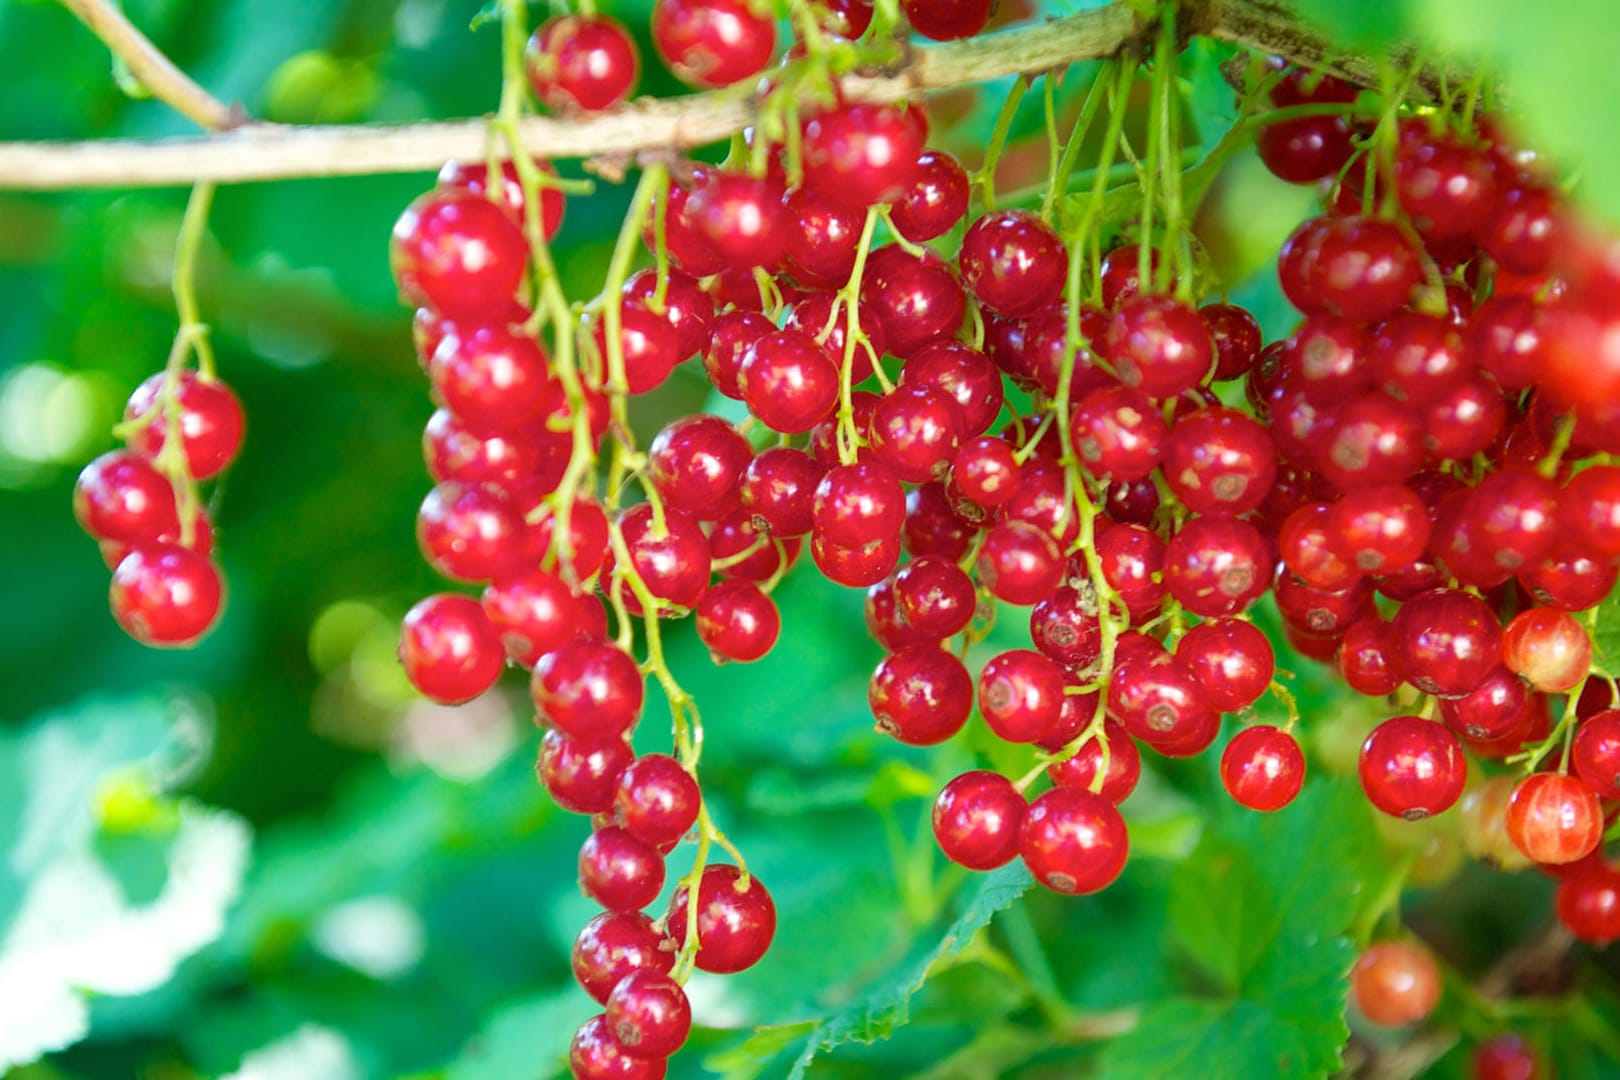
x=141 y=504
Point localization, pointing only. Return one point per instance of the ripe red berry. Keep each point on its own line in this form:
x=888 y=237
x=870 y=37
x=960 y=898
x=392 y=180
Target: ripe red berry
x=619 y=871
x=1218 y=566
x=1124 y=765
x=1014 y=262
x=460 y=254
x=914 y=430
x=1231 y=659
x=736 y=920
x=1262 y=768
x=737 y=621
x=1065 y=627
x=534 y=613
x=588 y=691
x=1554 y=819
x=741 y=217
x=859 y=154
x=1073 y=842
x=917 y=298
x=1219 y=461
x=1506 y=1057
x=788 y=381
x=210 y=422
x=695 y=464
x=936 y=199
x=1448 y=641
x=921 y=695
x=857 y=505
x=1588 y=904
x=120 y=497
x=711 y=43
x=649 y=1015
x=1491 y=710
x=470 y=533
x=586 y=62
x=1412 y=767
x=977 y=818
x=613 y=945
x=1019 y=563
x=1159 y=345
x=1395 y=983
x=595 y=1054
x=1021 y=695
x=964 y=373
x=1117 y=432
x=450 y=650
x=947 y=20
x=656 y=800
x=167 y=596
x=1596 y=753
x=582 y=777
x=855 y=567
x=671 y=557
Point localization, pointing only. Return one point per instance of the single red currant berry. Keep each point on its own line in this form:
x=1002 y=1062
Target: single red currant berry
x=1065 y=627
x=859 y=155
x=449 y=649
x=1236 y=337
x=1161 y=702
x=917 y=298
x=1367 y=658
x=695 y=464
x=1364 y=269
x=1231 y=658
x=460 y=254
x=737 y=621
x=1120 y=774
x=710 y=43
x=1446 y=188
x=822 y=239
x=210 y=422
x=588 y=691
x=1412 y=768
x=1019 y=563
x=733 y=333
x=613 y=945
x=470 y=533
x=857 y=505
x=1159 y=345
x=649 y=1015
x=166 y=596
x=671 y=556
x=1117 y=432
x=855 y=567
x=947 y=20
x=1014 y=262
x=935 y=201
x=1021 y=695
x=914 y=430
x=1596 y=754
x=1262 y=768
x=1448 y=641
x=788 y=381
x=1305 y=149
x=656 y=799
x=986 y=471
x=1489 y=711
x=736 y=920
x=534 y=613
x=1379 y=530
x=595 y=1054
x=1588 y=904
x=1548 y=649
x=1217 y=566
x=1073 y=842
x=493 y=377
x=473 y=177
x=741 y=217
x=582 y=777
x=921 y=695
x=586 y=62
x=619 y=871
x=1554 y=819
x=1506 y=1057
x=1395 y=983
x=977 y=818
x=935 y=596
x=1219 y=461
x=964 y=373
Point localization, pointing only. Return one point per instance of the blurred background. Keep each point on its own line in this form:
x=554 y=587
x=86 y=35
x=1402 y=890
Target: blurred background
x=265 y=857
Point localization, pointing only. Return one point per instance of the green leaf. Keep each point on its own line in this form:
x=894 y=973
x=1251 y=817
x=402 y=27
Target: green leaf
x=1357 y=25
x=887 y=1007
x=1606 y=633
x=527 y=1040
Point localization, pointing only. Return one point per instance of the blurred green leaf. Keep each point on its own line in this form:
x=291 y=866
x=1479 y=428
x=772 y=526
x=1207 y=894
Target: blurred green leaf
x=527 y=1040
x=1358 y=25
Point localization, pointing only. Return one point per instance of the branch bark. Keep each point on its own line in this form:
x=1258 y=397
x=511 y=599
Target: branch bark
x=147 y=63
x=254 y=152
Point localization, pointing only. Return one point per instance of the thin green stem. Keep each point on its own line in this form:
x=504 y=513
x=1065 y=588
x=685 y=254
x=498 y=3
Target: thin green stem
x=998 y=140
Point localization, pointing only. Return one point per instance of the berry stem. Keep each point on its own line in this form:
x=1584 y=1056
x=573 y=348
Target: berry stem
x=998 y=141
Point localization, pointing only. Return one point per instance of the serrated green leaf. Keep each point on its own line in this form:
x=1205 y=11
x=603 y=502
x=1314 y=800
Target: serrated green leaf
x=888 y=1006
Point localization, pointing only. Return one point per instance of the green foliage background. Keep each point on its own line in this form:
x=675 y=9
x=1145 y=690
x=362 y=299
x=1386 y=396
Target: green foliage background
x=281 y=862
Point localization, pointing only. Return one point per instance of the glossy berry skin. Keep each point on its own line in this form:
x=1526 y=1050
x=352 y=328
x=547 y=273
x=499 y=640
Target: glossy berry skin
x=613 y=945
x=935 y=596
x=822 y=239
x=1395 y=983
x=1513 y=513
x=1418 y=358
x=779 y=487
x=210 y=422
x=1073 y=842
x=166 y=596
x=914 y=430
x=1160 y=701
x=1019 y=563
x=1235 y=334
x=1412 y=768
x=583 y=62
x=859 y=155
x=1217 y=566
x=1379 y=530
x=921 y=695
x=1065 y=627
x=1310 y=548
x=656 y=800
x=964 y=373
x=582 y=778
x=947 y=20
x=788 y=381
x=936 y=199
x=1305 y=149
x=696 y=462
x=1554 y=819
x=977 y=818
x=1549 y=649
x=473 y=177
x=1590 y=505
x=1373 y=440
x=710 y=43
x=1491 y=710
x=1117 y=432
x=737 y=621
x=1124 y=765
x=857 y=505
x=1367 y=658
x=1014 y=262
x=1262 y=768
x=493 y=377
x=735 y=923
x=917 y=298
x=1596 y=753
x=674 y=566
x=1448 y=189
x=1363 y=269
x=596 y=1055
x=450 y=650
x=120 y=497
x=741 y=217
x=649 y=1015
x=732 y=333
x=1448 y=641
x=1220 y=461
x=1231 y=658
x=588 y=691
x=459 y=254
x=1021 y=695
x=986 y=471
x=855 y=567
x=619 y=871
x=470 y=533
x=1158 y=345
x=1588 y=904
